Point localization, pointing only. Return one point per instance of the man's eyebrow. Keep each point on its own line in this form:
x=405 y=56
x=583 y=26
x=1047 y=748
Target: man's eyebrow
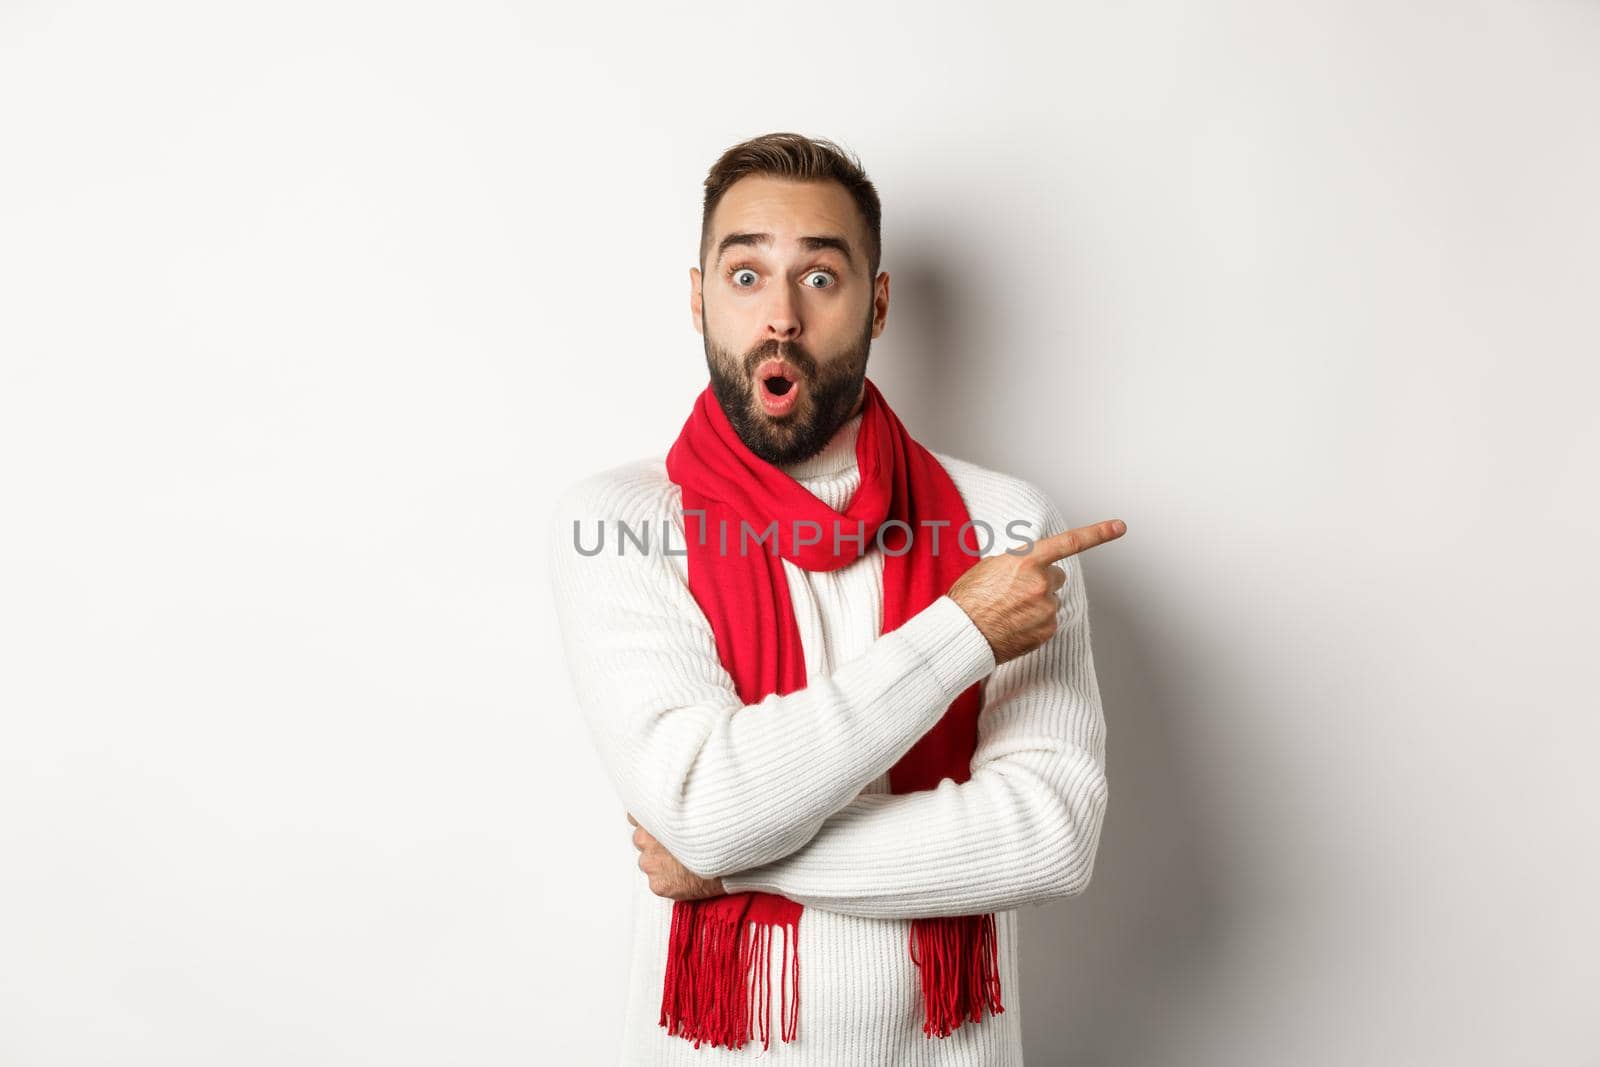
x=813 y=243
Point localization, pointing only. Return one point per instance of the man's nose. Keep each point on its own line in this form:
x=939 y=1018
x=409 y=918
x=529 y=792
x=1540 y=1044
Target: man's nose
x=783 y=314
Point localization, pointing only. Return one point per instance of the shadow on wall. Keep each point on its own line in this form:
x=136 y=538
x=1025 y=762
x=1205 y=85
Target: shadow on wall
x=1102 y=971
x=933 y=330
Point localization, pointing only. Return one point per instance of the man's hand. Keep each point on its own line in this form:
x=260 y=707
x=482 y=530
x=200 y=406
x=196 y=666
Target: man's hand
x=1013 y=599
x=668 y=877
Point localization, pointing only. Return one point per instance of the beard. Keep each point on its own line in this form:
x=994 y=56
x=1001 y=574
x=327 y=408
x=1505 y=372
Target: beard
x=831 y=388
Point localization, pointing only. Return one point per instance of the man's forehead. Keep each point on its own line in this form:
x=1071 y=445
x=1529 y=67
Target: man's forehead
x=778 y=213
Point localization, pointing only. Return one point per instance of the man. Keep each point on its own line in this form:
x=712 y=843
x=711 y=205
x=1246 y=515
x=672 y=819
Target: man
x=861 y=748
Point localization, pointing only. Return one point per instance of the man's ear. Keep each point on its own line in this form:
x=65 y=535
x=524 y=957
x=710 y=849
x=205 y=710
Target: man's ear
x=880 y=303
x=696 y=313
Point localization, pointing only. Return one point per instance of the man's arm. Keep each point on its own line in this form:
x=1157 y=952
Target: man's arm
x=723 y=786
x=1024 y=828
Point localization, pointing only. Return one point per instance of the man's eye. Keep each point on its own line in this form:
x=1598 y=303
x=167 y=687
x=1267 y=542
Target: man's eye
x=735 y=274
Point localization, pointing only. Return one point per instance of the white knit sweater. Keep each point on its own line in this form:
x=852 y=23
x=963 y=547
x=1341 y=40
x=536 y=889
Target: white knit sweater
x=792 y=796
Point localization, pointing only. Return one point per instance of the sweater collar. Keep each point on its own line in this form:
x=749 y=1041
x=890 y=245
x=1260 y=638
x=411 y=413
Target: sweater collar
x=836 y=457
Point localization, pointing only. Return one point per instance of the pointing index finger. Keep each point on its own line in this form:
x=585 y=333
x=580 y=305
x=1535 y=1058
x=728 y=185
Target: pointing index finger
x=1071 y=542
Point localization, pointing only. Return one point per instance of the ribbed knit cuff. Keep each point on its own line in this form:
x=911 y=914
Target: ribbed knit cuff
x=945 y=636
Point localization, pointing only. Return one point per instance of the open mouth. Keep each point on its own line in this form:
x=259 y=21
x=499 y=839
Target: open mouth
x=778 y=385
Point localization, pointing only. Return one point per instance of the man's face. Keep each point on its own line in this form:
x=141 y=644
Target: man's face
x=788 y=312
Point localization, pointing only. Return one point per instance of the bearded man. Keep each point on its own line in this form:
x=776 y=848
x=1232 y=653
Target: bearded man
x=849 y=726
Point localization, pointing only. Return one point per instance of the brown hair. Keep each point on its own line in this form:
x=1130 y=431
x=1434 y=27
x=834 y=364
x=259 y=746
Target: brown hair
x=798 y=158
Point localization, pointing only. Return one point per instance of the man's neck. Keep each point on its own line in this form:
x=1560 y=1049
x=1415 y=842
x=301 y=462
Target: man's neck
x=834 y=458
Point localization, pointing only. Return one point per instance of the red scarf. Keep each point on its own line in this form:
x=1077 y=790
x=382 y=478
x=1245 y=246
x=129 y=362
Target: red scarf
x=719 y=943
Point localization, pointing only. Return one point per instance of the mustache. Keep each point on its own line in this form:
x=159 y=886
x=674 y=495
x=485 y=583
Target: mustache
x=787 y=351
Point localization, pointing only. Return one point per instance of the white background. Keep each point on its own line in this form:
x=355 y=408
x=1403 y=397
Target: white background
x=306 y=311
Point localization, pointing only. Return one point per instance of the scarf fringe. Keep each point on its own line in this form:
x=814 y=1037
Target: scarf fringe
x=712 y=955
x=960 y=964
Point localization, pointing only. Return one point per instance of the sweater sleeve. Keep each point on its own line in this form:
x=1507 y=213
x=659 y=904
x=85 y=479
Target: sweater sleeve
x=1024 y=828
x=723 y=786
